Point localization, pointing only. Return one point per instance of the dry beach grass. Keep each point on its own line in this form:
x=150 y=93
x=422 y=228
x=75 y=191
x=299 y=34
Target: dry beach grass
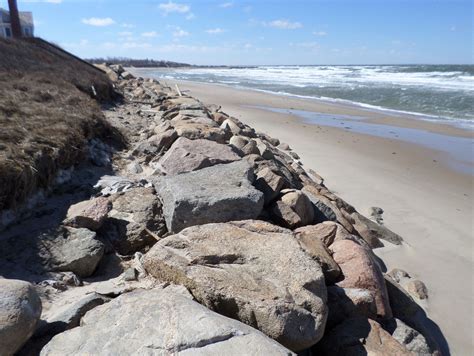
x=47 y=113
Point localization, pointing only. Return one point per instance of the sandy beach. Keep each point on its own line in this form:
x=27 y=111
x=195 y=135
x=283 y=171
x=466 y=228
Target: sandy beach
x=426 y=198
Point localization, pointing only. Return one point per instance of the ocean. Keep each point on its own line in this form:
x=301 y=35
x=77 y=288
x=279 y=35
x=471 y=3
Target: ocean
x=432 y=92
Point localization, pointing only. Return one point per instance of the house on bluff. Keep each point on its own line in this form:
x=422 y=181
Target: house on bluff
x=26 y=22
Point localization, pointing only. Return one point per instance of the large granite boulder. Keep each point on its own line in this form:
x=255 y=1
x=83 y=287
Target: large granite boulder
x=20 y=310
x=134 y=221
x=360 y=337
x=216 y=194
x=62 y=249
x=77 y=250
x=160 y=322
x=360 y=270
x=187 y=155
x=252 y=271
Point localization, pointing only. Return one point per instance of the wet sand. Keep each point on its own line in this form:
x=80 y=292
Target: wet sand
x=426 y=195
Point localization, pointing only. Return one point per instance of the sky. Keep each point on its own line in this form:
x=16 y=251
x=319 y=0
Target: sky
x=261 y=32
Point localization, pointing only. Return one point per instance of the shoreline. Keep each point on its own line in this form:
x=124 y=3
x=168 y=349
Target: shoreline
x=372 y=113
x=425 y=201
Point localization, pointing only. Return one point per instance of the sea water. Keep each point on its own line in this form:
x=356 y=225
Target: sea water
x=433 y=92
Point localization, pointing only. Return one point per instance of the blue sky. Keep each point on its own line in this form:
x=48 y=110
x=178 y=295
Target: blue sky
x=261 y=32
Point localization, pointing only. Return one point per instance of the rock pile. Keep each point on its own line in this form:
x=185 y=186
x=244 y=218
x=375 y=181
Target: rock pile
x=211 y=238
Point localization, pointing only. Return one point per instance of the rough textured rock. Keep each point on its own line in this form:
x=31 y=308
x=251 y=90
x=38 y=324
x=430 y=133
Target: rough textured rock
x=238 y=142
x=20 y=310
x=189 y=155
x=402 y=304
x=315 y=247
x=135 y=217
x=89 y=214
x=358 y=337
x=407 y=310
x=293 y=210
x=371 y=231
x=269 y=183
x=408 y=337
x=215 y=194
x=251 y=271
x=361 y=271
x=160 y=322
x=164 y=140
x=346 y=303
x=195 y=130
x=323 y=210
x=263 y=149
x=62 y=317
x=417 y=289
x=77 y=251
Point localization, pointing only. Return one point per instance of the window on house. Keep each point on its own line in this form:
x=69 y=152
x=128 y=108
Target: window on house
x=27 y=32
x=8 y=32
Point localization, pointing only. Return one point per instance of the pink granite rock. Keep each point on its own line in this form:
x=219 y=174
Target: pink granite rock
x=360 y=270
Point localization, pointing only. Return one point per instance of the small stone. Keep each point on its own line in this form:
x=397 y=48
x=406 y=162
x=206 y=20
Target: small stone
x=135 y=168
x=417 y=289
x=89 y=214
x=130 y=274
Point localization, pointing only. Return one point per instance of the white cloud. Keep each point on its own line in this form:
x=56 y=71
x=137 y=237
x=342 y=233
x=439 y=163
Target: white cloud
x=179 y=32
x=171 y=7
x=283 y=24
x=81 y=43
x=132 y=45
x=226 y=5
x=320 y=33
x=308 y=45
x=100 y=22
x=215 y=31
x=127 y=25
x=190 y=16
x=125 y=34
x=149 y=34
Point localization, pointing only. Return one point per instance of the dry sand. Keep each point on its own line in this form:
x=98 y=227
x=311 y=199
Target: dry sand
x=424 y=199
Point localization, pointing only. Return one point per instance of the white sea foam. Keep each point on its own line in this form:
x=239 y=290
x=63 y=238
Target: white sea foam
x=430 y=92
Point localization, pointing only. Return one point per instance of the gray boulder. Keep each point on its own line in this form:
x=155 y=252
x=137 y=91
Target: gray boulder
x=189 y=155
x=136 y=217
x=370 y=230
x=79 y=252
x=20 y=310
x=160 y=322
x=251 y=271
x=215 y=194
x=409 y=337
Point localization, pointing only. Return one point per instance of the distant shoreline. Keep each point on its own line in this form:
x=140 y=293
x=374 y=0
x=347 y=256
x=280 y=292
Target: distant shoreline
x=420 y=93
